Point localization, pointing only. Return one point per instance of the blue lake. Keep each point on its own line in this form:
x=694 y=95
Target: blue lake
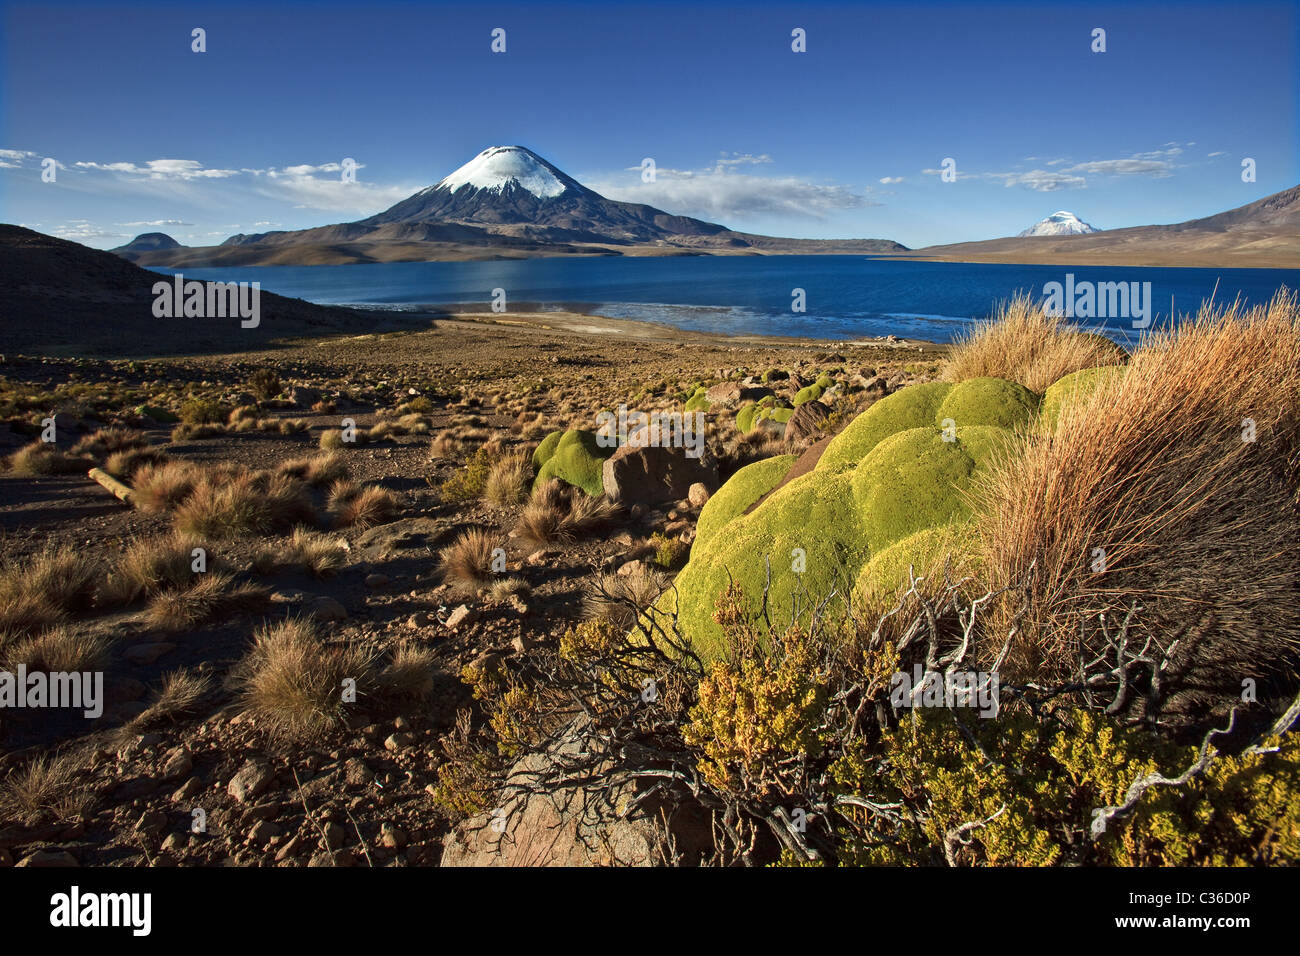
x=847 y=297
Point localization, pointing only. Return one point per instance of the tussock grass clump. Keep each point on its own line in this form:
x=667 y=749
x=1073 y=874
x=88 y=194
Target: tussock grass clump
x=147 y=566
x=319 y=555
x=44 y=589
x=185 y=431
x=508 y=479
x=101 y=443
x=468 y=483
x=317 y=471
x=558 y=513
x=1023 y=344
x=42 y=458
x=180 y=693
x=290 y=682
x=244 y=503
x=61 y=648
x=409 y=673
x=467 y=562
x=162 y=487
x=505 y=588
x=212 y=595
x=361 y=506
x=1172 y=490
x=444 y=445
x=265 y=384
x=621 y=598
x=124 y=464
x=48 y=787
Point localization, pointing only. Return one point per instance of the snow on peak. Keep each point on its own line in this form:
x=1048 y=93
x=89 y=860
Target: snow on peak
x=497 y=166
x=1060 y=223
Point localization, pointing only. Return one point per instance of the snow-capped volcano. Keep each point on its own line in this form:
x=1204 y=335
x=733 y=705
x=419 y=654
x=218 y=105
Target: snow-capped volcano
x=505 y=202
x=499 y=166
x=1060 y=224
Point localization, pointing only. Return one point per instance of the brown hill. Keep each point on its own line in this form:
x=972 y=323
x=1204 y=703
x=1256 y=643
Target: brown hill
x=62 y=298
x=1261 y=234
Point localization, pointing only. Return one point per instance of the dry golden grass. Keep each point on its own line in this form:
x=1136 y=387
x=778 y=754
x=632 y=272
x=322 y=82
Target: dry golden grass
x=444 y=445
x=124 y=464
x=180 y=693
x=354 y=506
x=212 y=595
x=620 y=599
x=163 y=487
x=317 y=471
x=107 y=440
x=543 y=519
x=42 y=458
x=505 y=588
x=222 y=506
x=291 y=682
x=409 y=674
x=51 y=786
x=467 y=562
x=61 y=648
x=508 y=479
x=1198 y=524
x=1023 y=344
x=45 y=588
x=319 y=555
x=149 y=565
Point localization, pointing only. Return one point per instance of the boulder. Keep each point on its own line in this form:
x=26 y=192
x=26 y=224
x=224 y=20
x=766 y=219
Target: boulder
x=805 y=423
x=653 y=473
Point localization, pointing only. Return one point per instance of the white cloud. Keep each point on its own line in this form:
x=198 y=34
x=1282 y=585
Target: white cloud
x=162 y=169
x=155 y=223
x=890 y=180
x=722 y=194
x=1157 y=164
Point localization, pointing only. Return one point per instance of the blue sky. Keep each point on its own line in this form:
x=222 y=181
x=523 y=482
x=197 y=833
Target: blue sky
x=844 y=140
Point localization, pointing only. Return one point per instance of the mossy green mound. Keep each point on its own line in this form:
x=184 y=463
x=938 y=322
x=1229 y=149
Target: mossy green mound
x=819 y=531
x=911 y=407
x=745 y=417
x=546 y=449
x=741 y=490
x=988 y=401
x=928 y=552
x=698 y=402
x=576 y=458
x=1074 y=386
x=809 y=393
x=777 y=414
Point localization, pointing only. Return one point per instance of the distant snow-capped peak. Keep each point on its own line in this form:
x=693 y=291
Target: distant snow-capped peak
x=498 y=166
x=1060 y=224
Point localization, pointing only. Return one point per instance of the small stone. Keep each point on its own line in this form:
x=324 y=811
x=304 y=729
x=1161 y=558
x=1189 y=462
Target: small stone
x=251 y=780
x=392 y=836
x=635 y=566
x=289 y=848
x=420 y=619
x=377 y=580
x=401 y=723
x=175 y=842
x=188 y=789
x=698 y=494
x=262 y=833
x=398 y=742
x=356 y=773
x=462 y=614
x=176 y=764
x=521 y=644
x=334 y=835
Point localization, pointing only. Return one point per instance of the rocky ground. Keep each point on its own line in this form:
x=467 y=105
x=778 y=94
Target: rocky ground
x=211 y=785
